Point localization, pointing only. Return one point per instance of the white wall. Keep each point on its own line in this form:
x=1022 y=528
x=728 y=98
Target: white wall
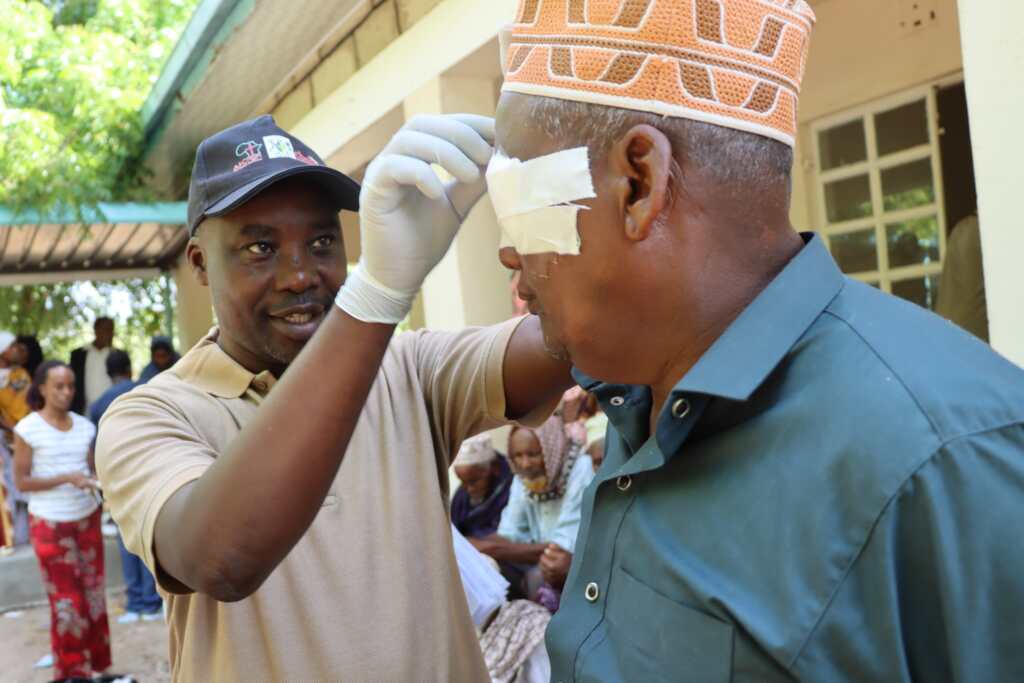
x=994 y=61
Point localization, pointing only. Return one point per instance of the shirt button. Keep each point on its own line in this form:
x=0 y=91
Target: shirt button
x=618 y=401
x=624 y=482
x=259 y=385
x=680 y=409
x=592 y=593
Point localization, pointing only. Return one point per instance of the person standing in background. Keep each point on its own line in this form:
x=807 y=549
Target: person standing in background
x=33 y=354
x=15 y=379
x=162 y=357
x=961 y=297
x=143 y=602
x=89 y=363
x=53 y=465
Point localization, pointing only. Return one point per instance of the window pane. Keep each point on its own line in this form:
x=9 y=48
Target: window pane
x=902 y=128
x=907 y=186
x=848 y=199
x=913 y=242
x=923 y=291
x=842 y=145
x=855 y=252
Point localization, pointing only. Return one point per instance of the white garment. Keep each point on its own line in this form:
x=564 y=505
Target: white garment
x=537 y=668
x=483 y=584
x=56 y=453
x=96 y=379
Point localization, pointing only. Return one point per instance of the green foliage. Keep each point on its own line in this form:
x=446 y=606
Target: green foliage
x=73 y=77
x=62 y=314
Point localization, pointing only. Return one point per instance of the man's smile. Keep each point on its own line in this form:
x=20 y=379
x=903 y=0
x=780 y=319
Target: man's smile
x=299 y=322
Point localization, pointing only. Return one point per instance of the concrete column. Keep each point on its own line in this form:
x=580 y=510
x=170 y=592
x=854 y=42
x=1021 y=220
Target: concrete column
x=993 y=59
x=193 y=308
x=469 y=287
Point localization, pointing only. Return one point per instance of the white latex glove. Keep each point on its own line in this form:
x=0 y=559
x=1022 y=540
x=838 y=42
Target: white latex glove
x=408 y=216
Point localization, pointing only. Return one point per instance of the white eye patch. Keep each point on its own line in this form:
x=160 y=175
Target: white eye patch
x=534 y=200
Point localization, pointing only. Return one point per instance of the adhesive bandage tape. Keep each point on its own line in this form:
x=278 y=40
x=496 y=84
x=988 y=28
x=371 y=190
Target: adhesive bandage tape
x=534 y=200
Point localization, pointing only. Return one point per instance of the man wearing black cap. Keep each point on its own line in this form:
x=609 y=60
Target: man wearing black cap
x=283 y=557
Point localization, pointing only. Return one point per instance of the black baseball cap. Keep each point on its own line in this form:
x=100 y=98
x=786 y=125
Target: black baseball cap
x=238 y=163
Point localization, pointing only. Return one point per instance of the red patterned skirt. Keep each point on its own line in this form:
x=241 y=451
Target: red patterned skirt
x=71 y=558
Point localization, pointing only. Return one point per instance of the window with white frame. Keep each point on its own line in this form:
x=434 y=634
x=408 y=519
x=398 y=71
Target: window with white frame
x=880 y=194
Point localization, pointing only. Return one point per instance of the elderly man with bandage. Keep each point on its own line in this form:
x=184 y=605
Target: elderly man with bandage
x=804 y=478
x=286 y=481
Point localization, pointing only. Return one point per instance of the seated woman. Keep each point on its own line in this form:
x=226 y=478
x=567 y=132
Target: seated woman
x=537 y=533
x=486 y=481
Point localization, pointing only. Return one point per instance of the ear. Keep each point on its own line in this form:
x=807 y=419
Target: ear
x=196 y=258
x=643 y=157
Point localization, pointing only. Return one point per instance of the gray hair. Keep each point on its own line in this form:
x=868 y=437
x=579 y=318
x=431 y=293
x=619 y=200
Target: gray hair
x=731 y=158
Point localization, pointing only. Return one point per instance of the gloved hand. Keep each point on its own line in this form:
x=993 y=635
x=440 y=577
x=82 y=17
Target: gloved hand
x=408 y=216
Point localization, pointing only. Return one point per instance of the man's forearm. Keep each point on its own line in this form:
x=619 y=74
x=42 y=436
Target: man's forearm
x=224 y=534
x=504 y=550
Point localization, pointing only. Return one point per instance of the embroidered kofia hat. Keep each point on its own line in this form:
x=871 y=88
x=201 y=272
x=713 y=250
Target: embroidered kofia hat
x=238 y=163
x=734 y=63
x=475 y=451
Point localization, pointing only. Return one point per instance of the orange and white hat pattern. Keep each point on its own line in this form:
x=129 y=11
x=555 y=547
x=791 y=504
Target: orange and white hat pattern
x=734 y=63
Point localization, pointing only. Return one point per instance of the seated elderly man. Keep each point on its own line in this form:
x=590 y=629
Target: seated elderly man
x=486 y=480
x=805 y=479
x=537 y=534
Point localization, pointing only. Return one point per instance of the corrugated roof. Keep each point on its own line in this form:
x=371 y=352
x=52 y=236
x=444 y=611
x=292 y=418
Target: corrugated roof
x=113 y=237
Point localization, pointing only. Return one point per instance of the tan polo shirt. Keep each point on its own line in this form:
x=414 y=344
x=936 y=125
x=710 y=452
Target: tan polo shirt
x=371 y=592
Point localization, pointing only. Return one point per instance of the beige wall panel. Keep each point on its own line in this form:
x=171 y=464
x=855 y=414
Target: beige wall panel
x=860 y=53
x=295 y=106
x=377 y=32
x=411 y=11
x=335 y=70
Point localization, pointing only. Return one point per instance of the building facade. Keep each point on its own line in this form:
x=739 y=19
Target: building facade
x=904 y=129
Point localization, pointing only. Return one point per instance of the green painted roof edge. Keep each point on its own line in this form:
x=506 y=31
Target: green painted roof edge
x=204 y=27
x=163 y=213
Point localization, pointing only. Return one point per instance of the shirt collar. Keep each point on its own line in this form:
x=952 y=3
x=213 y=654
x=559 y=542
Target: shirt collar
x=208 y=368
x=757 y=341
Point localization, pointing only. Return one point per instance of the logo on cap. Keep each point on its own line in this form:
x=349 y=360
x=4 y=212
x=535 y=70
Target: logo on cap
x=279 y=146
x=250 y=152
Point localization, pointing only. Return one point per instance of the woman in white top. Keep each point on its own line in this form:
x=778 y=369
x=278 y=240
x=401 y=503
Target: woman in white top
x=53 y=466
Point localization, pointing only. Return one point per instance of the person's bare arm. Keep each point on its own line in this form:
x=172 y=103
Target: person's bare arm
x=224 y=534
x=26 y=483
x=504 y=550
x=554 y=564
x=533 y=377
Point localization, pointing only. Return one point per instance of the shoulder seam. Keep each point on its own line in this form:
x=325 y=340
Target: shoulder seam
x=896 y=375
x=874 y=525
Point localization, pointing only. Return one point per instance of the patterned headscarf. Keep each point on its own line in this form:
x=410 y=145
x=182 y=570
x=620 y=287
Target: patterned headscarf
x=560 y=454
x=732 y=63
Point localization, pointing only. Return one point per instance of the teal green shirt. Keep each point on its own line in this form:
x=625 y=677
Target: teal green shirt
x=835 y=492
